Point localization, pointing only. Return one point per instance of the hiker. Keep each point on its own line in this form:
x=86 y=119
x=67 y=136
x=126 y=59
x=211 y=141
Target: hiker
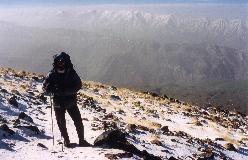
x=63 y=83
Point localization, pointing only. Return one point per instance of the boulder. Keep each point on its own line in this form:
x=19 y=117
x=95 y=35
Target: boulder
x=164 y=129
x=25 y=117
x=117 y=139
x=230 y=147
x=12 y=100
x=109 y=138
x=116 y=98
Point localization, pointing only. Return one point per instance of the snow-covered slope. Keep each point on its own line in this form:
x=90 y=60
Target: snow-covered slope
x=162 y=126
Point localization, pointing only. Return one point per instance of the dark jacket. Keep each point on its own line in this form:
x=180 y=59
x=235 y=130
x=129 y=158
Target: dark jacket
x=64 y=87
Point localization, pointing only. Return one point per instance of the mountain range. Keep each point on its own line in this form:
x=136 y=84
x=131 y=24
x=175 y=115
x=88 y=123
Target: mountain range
x=182 y=57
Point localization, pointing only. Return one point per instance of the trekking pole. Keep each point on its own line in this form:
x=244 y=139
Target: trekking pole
x=52 y=116
x=61 y=138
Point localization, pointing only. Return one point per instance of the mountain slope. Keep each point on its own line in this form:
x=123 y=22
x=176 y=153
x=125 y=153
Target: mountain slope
x=161 y=126
x=136 y=49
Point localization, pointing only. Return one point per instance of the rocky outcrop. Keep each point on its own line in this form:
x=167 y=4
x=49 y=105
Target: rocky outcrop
x=25 y=117
x=117 y=139
x=230 y=147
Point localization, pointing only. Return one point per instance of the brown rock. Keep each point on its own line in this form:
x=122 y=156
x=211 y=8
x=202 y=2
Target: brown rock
x=165 y=129
x=131 y=127
x=142 y=128
x=230 y=147
x=157 y=142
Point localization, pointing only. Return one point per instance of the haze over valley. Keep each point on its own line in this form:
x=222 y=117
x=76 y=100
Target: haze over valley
x=199 y=59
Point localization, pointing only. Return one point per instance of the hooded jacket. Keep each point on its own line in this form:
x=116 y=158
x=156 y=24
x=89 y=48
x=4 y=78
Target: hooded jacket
x=64 y=86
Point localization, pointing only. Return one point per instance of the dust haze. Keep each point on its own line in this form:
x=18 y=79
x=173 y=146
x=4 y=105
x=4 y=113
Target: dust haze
x=197 y=53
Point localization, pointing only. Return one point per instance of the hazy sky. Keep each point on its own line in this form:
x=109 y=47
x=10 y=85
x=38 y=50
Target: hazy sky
x=230 y=9
x=76 y=2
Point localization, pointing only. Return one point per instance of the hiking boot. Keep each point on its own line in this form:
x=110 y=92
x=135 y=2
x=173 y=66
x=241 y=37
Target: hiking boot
x=84 y=143
x=67 y=143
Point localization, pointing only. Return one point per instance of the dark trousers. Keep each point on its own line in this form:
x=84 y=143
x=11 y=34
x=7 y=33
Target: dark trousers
x=76 y=117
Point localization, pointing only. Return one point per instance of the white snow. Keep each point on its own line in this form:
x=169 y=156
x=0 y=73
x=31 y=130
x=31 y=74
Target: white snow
x=155 y=113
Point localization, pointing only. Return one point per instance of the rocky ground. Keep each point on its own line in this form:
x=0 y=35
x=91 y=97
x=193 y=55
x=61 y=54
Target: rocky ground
x=159 y=126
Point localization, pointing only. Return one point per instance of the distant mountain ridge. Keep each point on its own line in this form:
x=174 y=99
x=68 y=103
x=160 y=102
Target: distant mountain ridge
x=133 y=49
x=137 y=24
